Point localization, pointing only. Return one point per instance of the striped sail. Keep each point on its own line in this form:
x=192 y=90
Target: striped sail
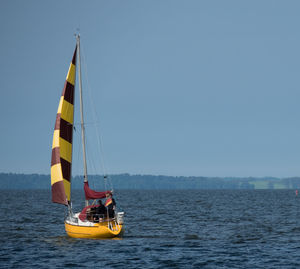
x=61 y=160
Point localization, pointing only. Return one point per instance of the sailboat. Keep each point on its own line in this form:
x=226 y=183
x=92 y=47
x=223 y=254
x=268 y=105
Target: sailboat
x=87 y=223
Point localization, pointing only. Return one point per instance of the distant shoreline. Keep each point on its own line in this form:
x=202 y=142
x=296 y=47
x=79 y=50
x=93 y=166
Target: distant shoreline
x=151 y=182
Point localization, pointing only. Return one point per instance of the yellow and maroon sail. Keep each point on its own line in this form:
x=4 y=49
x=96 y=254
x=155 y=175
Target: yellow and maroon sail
x=61 y=160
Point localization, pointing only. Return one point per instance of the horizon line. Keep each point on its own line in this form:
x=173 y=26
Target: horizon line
x=155 y=175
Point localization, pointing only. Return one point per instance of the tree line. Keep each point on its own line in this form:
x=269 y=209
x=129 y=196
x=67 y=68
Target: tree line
x=127 y=181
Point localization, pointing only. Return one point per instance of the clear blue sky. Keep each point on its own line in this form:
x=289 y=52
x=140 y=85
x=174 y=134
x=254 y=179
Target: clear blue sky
x=204 y=88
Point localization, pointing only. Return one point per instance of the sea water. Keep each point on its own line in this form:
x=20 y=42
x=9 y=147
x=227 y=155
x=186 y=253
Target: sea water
x=163 y=229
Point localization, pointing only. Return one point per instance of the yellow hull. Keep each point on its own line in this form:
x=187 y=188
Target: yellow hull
x=99 y=230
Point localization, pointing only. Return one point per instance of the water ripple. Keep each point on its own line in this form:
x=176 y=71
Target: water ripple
x=164 y=229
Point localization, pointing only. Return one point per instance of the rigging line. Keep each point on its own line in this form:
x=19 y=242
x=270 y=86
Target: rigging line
x=99 y=139
x=110 y=182
x=105 y=183
x=94 y=114
x=85 y=123
x=90 y=158
x=93 y=169
x=91 y=164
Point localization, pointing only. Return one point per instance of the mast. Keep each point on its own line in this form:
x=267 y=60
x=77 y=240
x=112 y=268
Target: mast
x=81 y=114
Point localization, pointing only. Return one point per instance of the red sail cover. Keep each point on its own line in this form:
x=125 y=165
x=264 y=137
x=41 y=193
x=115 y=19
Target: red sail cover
x=82 y=215
x=91 y=194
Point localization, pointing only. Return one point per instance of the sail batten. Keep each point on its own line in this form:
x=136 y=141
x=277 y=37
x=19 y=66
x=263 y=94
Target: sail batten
x=61 y=159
